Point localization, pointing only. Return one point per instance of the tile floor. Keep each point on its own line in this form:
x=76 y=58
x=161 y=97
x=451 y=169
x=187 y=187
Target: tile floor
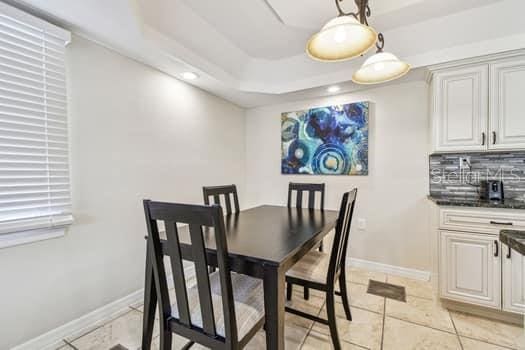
x=379 y=323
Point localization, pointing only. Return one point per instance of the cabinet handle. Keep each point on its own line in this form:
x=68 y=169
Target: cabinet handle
x=508 y=253
x=496 y=252
x=483 y=139
x=501 y=223
x=493 y=137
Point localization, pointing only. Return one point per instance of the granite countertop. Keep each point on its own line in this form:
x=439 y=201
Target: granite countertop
x=475 y=202
x=514 y=239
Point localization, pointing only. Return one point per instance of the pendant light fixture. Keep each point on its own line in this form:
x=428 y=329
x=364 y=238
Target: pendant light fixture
x=381 y=67
x=346 y=36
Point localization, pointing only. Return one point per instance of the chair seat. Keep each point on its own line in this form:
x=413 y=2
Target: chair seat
x=312 y=267
x=248 y=295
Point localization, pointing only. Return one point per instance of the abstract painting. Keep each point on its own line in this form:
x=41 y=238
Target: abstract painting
x=326 y=140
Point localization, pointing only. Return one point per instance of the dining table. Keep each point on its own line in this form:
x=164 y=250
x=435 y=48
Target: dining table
x=263 y=242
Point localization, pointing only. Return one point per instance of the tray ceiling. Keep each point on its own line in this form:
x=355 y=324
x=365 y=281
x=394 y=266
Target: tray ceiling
x=252 y=51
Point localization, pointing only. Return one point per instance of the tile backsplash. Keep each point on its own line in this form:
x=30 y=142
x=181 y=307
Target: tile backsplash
x=448 y=180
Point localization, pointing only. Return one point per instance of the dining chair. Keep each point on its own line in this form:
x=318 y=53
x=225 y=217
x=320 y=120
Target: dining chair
x=222 y=310
x=321 y=271
x=312 y=189
x=216 y=192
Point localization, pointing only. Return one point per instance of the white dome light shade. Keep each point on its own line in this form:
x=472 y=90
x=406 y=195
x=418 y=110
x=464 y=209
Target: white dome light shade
x=380 y=68
x=340 y=39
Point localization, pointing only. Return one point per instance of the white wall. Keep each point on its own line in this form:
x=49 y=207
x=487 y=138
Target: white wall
x=136 y=133
x=392 y=198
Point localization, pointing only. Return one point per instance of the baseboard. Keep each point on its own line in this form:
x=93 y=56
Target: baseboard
x=390 y=269
x=54 y=338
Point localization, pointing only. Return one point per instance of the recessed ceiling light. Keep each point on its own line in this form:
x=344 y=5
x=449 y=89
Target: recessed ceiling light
x=334 y=89
x=189 y=75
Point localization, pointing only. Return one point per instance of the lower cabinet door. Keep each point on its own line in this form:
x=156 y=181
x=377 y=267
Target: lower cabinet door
x=513 y=281
x=470 y=268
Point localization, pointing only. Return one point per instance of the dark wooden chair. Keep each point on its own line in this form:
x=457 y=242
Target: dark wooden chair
x=311 y=189
x=321 y=271
x=227 y=191
x=223 y=310
x=216 y=192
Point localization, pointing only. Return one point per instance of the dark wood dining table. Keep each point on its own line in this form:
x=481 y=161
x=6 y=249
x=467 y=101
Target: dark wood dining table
x=263 y=242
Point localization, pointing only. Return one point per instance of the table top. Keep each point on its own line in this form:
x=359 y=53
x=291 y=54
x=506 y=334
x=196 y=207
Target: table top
x=270 y=234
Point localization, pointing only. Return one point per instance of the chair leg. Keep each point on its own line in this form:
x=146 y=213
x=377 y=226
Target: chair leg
x=289 y=290
x=330 y=310
x=211 y=269
x=306 y=293
x=188 y=345
x=344 y=297
x=165 y=339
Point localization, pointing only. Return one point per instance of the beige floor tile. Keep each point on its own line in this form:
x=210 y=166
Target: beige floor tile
x=320 y=341
x=471 y=344
x=488 y=330
x=293 y=338
x=361 y=276
x=125 y=330
x=401 y=335
x=422 y=311
x=360 y=298
x=75 y=335
x=65 y=347
x=312 y=306
x=421 y=289
x=364 y=329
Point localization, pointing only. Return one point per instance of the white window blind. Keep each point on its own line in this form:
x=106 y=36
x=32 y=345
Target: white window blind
x=34 y=166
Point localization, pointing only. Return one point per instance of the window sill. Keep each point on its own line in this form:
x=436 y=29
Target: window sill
x=32 y=236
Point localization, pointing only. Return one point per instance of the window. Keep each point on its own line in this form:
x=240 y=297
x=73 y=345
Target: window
x=34 y=161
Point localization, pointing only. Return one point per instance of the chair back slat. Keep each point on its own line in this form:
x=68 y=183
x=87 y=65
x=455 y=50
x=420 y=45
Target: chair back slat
x=196 y=217
x=203 y=281
x=155 y=253
x=342 y=233
x=311 y=188
x=227 y=191
x=179 y=279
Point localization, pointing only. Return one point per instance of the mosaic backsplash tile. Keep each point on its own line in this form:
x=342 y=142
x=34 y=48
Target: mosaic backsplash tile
x=448 y=180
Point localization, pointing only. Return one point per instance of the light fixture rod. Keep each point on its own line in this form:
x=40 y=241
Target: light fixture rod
x=363 y=10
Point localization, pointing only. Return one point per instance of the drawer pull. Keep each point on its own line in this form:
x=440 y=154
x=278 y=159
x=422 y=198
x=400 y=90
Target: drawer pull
x=496 y=252
x=501 y=223
x=508 y=253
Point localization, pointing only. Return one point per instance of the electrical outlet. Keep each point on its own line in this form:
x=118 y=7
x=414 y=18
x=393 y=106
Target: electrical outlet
x=464 y=162
x=361 y=224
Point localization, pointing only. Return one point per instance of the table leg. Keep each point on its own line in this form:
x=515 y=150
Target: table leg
x=150 y=303
x=274 y=307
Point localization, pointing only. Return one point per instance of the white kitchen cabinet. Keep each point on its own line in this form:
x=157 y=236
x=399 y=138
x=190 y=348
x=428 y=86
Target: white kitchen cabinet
x=513 y=281
x=460 y=109
x=507 y=121
x=470 y=268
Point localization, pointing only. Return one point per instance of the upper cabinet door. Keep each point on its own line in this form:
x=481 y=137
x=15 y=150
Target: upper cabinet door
x=507 y=111
x=460 y=109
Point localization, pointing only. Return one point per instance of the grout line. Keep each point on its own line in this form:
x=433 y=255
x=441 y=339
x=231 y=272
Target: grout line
x=135 y=309
x=455 y=329
x=70 y=344
x=421 y=324
x=312 y=325
x=383 y=325
x=486 y=342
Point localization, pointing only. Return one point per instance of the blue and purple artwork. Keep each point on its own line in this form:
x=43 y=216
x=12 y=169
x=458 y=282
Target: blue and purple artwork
x=326 y=140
